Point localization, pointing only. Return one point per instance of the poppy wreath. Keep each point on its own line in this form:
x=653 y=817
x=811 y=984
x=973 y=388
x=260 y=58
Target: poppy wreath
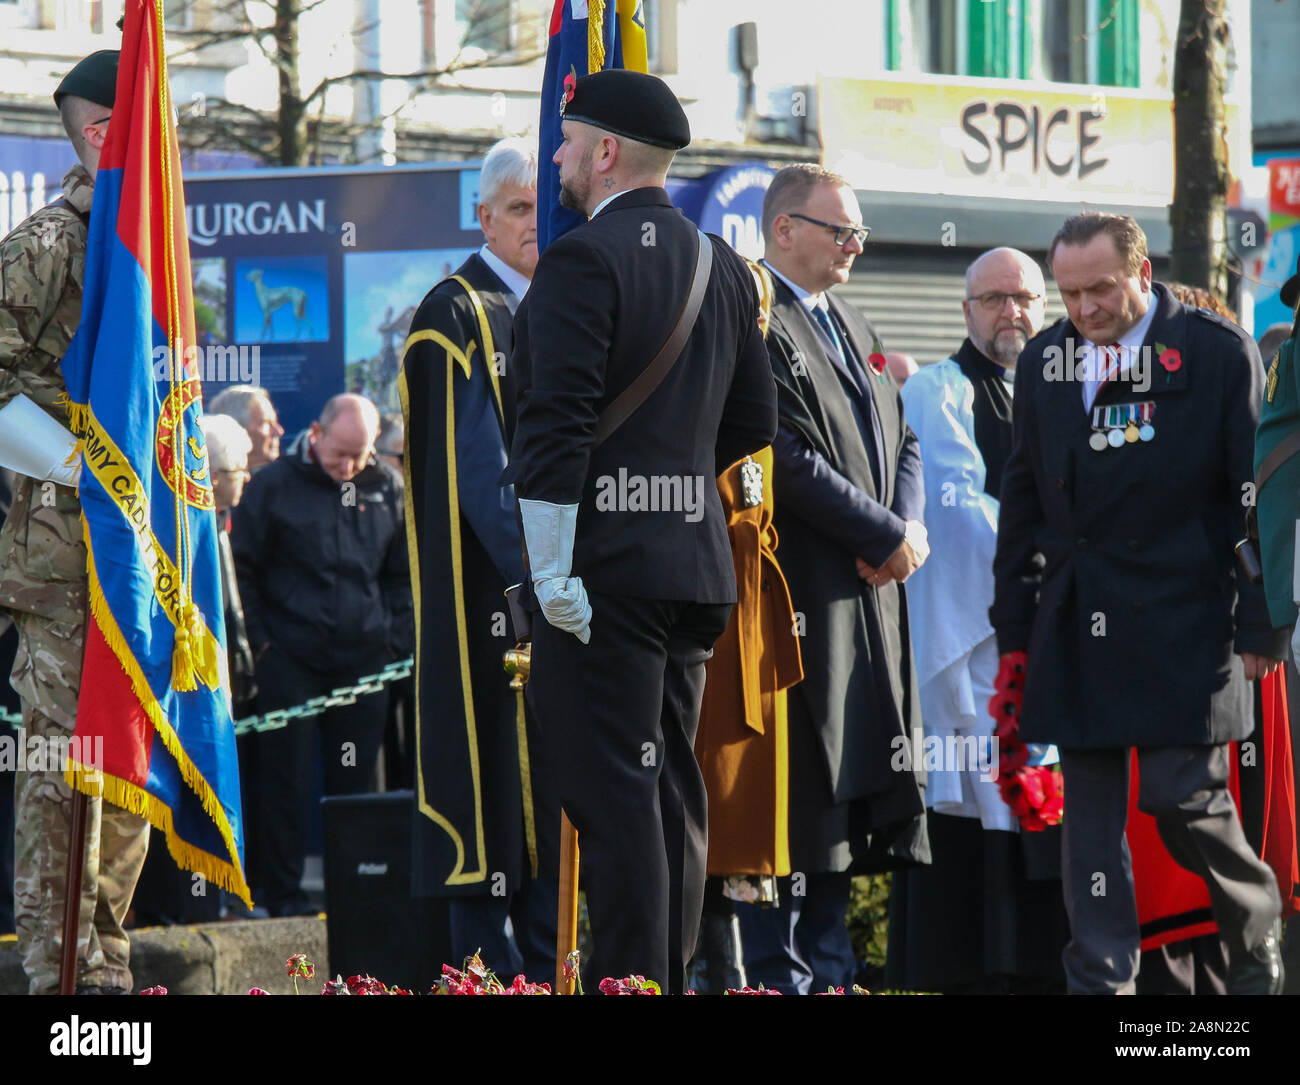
x=1035 y=793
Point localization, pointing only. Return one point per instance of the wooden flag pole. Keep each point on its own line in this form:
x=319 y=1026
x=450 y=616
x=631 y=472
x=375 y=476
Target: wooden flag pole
x=566 y=930
x=72 y=902
x=76 y=860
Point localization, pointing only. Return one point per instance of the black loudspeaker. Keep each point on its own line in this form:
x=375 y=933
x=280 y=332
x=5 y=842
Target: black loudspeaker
x=374 y=925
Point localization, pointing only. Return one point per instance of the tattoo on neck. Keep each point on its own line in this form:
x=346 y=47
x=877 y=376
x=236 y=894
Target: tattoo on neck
x=609 y=182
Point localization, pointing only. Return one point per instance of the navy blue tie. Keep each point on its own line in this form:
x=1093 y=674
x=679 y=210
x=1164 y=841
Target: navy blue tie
x=823 y=317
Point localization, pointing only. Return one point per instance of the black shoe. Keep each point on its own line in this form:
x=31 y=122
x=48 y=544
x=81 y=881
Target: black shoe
x=101 y=990
x=1261 y=972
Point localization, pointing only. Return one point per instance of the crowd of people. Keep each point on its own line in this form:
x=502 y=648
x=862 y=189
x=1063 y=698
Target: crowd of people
x=774 y=659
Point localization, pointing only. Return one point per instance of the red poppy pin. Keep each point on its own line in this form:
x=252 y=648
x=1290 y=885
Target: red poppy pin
x=570 y=87
x=877 y=362
x=1169 y=358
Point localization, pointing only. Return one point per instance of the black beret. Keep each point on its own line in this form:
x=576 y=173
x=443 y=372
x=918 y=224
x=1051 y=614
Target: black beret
x=94 y=78
x=1290 y=292
x=631 y=104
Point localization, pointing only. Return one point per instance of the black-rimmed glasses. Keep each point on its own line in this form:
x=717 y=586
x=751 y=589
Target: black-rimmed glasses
x=995 y=300
x=842 y=233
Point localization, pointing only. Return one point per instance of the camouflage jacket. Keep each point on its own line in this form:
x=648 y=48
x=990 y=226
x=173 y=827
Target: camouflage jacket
x=42 y=264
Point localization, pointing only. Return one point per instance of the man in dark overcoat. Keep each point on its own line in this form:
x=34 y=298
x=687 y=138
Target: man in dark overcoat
x=849 y=500
x=1123 y=498
x=630 y=564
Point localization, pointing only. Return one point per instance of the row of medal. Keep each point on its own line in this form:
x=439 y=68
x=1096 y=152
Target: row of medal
x=1121 y=424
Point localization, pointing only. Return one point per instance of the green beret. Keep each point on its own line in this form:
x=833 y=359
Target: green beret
x=631 y=104
x=93 y=78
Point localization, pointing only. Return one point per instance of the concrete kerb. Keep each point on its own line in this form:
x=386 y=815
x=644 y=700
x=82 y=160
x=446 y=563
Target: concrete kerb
x=216 y=958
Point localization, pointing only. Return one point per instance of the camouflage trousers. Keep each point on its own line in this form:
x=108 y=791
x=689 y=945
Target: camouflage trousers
x=47 y=675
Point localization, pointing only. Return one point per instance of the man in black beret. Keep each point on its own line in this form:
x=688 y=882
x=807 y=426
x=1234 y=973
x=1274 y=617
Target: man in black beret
x=629 y=558
x=43 y=570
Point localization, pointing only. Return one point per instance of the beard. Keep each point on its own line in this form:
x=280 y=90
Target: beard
x=570 y=199
x=575 y=192
x=1005 y=347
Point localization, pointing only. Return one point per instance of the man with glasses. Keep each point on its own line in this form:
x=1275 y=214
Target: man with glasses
x=43 y=566
x=962 y=925
x=849 y=497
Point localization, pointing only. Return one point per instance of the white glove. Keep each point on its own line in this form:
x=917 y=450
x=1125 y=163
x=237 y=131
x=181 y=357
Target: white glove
x=548 y=534
x=34 y=444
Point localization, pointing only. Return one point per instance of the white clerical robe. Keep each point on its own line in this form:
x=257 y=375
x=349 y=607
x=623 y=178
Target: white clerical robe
x=948 y=599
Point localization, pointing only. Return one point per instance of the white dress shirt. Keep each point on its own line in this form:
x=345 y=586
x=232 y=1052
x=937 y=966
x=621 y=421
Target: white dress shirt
x=516 y=283
x=1130 y=351
x=807 y=300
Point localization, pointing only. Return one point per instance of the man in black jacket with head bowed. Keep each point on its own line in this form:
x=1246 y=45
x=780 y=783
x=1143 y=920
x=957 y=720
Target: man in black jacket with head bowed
x=630 y=563
x=1123 y=498
x=320 y=553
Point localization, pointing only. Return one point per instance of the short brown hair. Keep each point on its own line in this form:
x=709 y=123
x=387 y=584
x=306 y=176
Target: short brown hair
x=1130 y=241
x=790 y=189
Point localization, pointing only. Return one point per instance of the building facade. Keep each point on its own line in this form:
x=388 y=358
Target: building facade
x=961 y=123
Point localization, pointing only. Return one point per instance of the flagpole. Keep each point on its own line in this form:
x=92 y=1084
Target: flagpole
x=566 y=930
x=76 y=857
x=72 y=887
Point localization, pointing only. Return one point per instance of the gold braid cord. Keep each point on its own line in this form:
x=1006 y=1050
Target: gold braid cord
x=595 y=36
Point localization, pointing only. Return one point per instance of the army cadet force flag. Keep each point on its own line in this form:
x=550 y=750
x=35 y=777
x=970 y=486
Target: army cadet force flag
x=154 y=682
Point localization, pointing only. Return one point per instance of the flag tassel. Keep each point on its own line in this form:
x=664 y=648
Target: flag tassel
x=183 y=655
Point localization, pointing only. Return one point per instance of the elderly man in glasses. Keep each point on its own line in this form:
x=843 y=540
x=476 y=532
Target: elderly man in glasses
x=849 y=497
x=942 y=937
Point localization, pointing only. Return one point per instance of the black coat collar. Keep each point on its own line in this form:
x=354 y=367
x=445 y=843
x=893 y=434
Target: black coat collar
x=638 y=197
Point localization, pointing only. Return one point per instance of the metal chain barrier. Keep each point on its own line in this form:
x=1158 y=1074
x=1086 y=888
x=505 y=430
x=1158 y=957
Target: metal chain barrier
x=281 y=717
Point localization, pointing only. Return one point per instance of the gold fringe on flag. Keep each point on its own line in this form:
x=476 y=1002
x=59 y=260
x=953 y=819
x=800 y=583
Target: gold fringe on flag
x=99 y=784
x=228 y=875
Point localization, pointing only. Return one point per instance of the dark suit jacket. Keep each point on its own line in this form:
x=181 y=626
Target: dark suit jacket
x=859 y=684
x=604 y=299
x=1132 y=621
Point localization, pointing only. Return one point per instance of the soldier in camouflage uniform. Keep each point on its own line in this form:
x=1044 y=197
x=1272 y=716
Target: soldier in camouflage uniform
x=43 y=579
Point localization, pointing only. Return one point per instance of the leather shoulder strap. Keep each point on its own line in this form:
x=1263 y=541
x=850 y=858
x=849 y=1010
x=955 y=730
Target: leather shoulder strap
x=1285 y=449
x=636 y=393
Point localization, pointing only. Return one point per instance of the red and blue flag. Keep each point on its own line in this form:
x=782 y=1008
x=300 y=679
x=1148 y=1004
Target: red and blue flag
x=154 y=682
x=586 y=36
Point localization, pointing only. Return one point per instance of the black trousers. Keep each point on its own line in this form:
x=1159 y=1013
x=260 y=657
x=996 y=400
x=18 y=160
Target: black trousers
x=349 y=736
x=479 y=925
x=1185 y=788
x=618 y=718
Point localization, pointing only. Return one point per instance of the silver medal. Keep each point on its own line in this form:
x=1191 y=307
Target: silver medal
x=751 y=483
